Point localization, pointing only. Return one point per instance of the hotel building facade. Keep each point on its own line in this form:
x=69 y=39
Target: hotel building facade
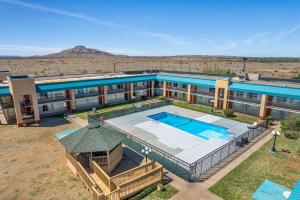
x=25 y=99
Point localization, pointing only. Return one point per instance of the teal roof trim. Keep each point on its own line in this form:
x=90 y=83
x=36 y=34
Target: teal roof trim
x=47 y=87
x=4 y=91
x=187 y=80
x=280 y=91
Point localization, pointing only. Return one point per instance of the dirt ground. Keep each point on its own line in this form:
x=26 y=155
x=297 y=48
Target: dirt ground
x=33 y=164
x=82 y=65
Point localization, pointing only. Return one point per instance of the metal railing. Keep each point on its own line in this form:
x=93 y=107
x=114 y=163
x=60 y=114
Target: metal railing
x=199 y=92
x=87 y=94
x=126 y=111
x=7 y=105
x=244 y=99
x=179 y=89
x=52 y=98
x=205 y=163
x=114 y=91
x=283 y=105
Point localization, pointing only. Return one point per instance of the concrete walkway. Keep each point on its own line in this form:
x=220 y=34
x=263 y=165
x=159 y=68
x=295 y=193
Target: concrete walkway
x=199 y=191
x=77 y=120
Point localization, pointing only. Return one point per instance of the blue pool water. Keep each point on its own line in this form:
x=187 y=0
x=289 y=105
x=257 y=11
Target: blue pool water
x=195 y=127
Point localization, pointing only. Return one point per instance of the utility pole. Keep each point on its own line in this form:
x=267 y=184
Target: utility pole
x=244 y=67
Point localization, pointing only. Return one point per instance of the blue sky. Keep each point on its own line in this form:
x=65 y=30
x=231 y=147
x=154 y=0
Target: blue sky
x=152 y=27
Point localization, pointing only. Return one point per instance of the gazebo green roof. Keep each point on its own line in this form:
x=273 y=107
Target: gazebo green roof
x=92 y=138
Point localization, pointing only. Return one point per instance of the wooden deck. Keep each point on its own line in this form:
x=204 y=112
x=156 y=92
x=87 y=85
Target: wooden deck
x=119 y=186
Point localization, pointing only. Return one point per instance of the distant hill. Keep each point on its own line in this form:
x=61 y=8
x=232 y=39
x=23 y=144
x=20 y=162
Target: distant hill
x=80 y=51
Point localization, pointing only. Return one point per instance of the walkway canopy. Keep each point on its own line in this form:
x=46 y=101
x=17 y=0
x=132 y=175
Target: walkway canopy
x=92 y=138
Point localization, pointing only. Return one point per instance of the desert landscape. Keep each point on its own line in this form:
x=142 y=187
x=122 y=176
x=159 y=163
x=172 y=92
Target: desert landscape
x=82 y=60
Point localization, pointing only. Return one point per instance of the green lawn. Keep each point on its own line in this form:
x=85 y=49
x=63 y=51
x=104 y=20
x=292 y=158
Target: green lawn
x=152 y=193
x=282 y=168
x=107 y=108
x=206 y=109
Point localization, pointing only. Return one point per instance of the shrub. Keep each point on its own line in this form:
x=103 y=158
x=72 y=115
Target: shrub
x=229 y=112
x=290 y=126
x=161 y=98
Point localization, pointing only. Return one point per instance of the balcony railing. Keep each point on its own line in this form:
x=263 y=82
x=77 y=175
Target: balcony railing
x=142 y=87
x=7 y=105
x=53 y=98
x=283 y=105
x=177 y=88
x=87 y=94
x=203 y=93
x=114 y=91
x=244 y=99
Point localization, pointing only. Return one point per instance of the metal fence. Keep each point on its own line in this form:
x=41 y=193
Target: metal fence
x=188 y=171
x=126 y=111
x=205 y=163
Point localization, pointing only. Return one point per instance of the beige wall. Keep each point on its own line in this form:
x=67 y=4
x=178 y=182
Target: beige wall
x=189 y=93
x=19 y=88
x=222 y=84
x=73 y=101
x=262 y=109
x=165 y=88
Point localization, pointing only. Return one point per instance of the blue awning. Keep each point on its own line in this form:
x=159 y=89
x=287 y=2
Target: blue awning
x=4 y=91
x=271 y=90
x=47 y=87
x=187 y=80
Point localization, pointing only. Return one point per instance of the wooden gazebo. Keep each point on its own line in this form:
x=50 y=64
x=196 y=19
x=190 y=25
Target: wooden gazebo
x=97 y=143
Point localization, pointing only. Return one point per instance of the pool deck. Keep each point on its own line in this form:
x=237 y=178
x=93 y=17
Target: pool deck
x=183 y=145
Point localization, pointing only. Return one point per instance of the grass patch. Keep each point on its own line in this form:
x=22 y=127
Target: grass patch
x=151 y=192
x=282 y=168
x=108 y=108
x=205 y=109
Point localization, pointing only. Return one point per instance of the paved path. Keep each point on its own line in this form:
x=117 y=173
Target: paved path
x=199 y=191
x=77 y=120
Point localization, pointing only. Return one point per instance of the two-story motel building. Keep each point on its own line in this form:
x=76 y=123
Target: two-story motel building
x=25 y=99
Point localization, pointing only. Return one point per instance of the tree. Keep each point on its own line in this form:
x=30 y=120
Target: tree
x=290 y=126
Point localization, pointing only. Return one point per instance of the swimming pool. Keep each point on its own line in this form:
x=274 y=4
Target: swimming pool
x=201 y=129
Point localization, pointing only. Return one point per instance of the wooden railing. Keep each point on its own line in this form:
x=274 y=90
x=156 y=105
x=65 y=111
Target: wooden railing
x=81 y=171
x=101 y=160
x=122 y=185
x=138 y=183
x=130 y=174
x=85 y=177
x=103 y=176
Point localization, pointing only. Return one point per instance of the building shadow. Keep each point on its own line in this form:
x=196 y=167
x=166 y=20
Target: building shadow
x=53 y=121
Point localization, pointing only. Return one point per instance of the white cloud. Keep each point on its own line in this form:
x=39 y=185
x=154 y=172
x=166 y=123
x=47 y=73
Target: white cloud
x=172 y=39
x=271 y=37
x=253 y=39
x=28 y=48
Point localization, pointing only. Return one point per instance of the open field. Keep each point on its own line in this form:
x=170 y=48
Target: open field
x=282 y=168
x=33 y=164
x=43 y=66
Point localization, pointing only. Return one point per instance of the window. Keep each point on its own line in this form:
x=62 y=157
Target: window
x=120 y=86
x=252 y=96
x=44 y=95
x=281 y=100
x=175 y=84
x=240 y=94
x=183 y=86
x=45 y=108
